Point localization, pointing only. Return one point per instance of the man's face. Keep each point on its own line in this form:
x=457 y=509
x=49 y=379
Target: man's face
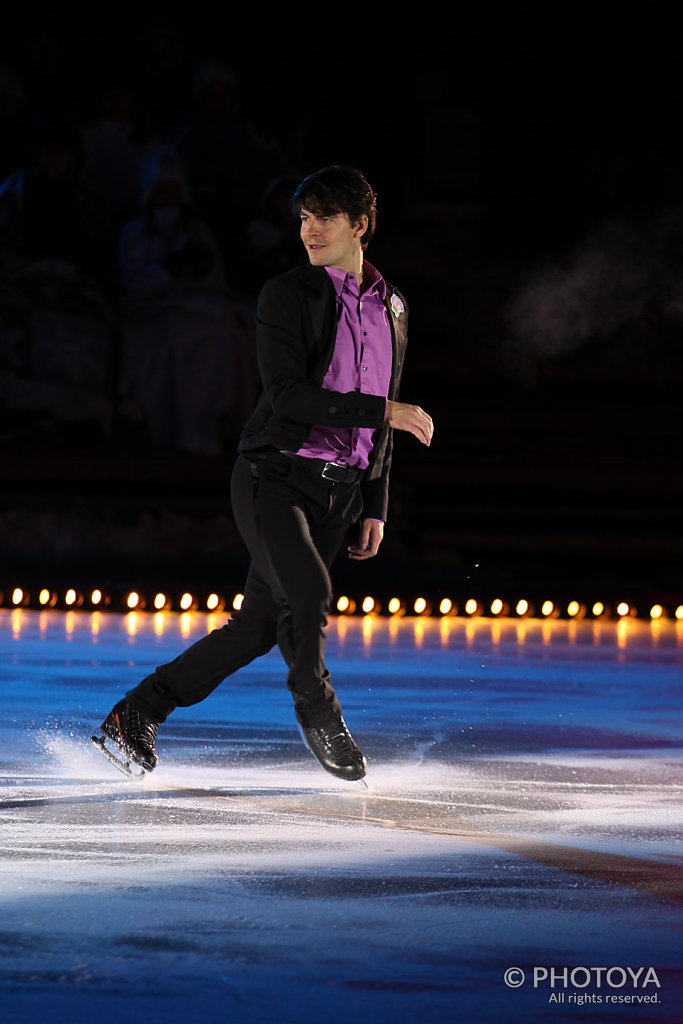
x=332 y=241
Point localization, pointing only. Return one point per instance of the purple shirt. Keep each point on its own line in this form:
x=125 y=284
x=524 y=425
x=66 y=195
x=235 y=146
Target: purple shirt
x=361 y=361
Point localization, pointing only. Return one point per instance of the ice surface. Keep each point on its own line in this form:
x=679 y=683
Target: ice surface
x=524 y=808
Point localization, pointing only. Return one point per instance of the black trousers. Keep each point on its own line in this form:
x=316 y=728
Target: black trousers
x=293 y=522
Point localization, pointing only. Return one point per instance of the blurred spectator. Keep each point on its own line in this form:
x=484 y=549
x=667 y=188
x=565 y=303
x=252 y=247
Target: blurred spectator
x=274 y=241
x=14 y=107
x=228 y=163
x=46 y=210
x=156 y=53
x=188 y=370
x=56 y=324
x=117 y=138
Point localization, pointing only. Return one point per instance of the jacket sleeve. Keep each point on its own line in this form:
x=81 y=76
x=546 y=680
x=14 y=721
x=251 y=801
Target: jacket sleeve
x=286 y=368
x=375 y=489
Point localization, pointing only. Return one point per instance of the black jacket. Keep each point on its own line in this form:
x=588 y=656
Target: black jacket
x=295 y=336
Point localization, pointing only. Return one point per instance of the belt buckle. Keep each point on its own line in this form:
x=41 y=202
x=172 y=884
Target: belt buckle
x=328 y=472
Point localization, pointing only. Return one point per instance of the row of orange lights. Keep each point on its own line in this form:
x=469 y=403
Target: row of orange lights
x=503 y=609
x=133 y=600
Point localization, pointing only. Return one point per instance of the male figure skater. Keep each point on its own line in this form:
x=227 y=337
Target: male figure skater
x=314 y=457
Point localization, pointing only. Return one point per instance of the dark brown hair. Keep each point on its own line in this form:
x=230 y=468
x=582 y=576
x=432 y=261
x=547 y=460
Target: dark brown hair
x=339 y=189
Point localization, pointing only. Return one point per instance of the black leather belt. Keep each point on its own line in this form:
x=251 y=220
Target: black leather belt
x=328 y=470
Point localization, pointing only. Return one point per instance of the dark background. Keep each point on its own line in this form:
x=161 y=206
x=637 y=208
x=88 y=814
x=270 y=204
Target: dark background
x=528 y=166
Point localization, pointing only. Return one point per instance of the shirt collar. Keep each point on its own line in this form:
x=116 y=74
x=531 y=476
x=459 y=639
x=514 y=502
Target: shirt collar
x=340 y=278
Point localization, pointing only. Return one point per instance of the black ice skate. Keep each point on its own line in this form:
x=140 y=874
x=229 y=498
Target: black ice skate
x=334 y=747
x=134 y=735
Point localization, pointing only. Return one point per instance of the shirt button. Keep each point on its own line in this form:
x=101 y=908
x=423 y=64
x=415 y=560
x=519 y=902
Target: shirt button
x=365 y=368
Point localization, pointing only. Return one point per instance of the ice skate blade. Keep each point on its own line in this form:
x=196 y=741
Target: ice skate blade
x=125 y=767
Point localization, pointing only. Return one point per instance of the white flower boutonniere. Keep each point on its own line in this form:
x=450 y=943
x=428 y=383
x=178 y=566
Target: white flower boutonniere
x=397 y=306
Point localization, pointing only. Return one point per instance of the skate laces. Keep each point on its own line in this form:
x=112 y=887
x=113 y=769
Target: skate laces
x=340 y=742
x=142 y=728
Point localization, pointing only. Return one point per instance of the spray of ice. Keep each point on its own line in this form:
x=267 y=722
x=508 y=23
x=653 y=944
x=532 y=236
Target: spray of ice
x=621 y=273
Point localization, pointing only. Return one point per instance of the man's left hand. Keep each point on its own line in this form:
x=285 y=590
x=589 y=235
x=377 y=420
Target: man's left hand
x=371 y=534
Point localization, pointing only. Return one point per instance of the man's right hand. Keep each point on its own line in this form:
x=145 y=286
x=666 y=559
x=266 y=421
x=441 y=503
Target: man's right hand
x=412 y=418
